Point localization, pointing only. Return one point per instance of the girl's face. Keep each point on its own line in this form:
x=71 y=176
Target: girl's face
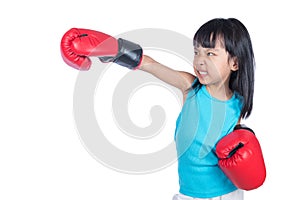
x=213 y=66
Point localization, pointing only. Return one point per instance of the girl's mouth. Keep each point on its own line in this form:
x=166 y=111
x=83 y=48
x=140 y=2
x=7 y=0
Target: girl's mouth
x=202 y=73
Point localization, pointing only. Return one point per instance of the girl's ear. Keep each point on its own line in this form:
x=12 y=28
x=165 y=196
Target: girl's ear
x=234 y=64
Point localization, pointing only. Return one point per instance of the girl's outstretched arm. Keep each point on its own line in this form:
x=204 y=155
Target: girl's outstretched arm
x=179 y=79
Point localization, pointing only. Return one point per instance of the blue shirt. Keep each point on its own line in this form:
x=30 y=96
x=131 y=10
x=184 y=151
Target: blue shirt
x=203 y=121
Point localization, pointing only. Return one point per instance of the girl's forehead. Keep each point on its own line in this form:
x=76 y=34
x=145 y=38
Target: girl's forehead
x=218 y=46
x=214 y=41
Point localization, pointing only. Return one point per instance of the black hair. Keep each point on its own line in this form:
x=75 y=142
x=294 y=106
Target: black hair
x=237 y=42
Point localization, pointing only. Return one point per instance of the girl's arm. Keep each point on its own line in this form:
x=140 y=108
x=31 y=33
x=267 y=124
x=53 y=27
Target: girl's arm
x=179 y=79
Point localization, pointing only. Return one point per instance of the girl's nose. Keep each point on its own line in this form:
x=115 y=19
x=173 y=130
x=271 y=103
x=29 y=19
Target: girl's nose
x=198 y=61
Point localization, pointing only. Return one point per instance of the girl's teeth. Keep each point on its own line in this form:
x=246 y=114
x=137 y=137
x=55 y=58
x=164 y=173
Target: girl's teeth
x=203 y=73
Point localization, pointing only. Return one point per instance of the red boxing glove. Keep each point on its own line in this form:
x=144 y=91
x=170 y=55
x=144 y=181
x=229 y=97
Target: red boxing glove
x=77 y=45
x=240 y=158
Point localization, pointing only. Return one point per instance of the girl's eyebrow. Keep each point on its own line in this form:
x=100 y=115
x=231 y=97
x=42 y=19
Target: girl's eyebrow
x=208 y=49
x=215 y=49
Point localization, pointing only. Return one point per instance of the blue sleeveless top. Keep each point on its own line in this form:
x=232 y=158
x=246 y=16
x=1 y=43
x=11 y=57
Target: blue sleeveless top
x=203 y=121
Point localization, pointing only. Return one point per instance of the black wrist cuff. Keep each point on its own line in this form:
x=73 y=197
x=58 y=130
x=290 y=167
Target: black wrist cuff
x=243 y=126
x=129 y=54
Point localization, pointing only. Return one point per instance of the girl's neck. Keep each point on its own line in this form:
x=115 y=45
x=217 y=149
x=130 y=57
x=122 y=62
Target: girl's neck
x=222 y=93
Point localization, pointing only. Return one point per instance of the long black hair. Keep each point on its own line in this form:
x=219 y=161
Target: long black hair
x=237 y=42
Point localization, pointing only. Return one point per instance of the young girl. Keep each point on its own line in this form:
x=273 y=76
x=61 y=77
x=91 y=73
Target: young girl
x=215 y=99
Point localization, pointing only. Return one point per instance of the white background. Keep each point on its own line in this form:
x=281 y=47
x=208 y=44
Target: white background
x=41 y=155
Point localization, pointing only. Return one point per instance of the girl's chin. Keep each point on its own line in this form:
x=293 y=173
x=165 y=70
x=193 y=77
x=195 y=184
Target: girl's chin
x=202 y=80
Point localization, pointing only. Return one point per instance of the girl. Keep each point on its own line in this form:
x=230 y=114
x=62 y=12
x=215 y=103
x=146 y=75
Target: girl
x=216 y=98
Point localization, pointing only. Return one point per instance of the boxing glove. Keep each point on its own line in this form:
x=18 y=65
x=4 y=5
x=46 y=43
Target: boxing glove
x=241 y=159
x=77 y=45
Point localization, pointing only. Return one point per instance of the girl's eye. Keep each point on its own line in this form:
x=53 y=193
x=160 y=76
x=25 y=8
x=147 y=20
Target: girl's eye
x=210 y=54
x=196 y=53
